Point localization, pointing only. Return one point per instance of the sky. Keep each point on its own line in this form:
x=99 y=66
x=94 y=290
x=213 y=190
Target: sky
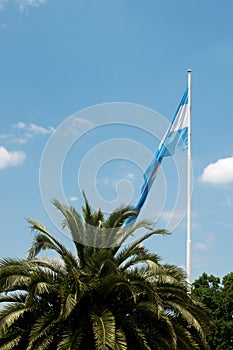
x=124 y=62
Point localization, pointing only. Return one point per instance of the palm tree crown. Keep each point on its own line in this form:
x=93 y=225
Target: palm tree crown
x=106 y=295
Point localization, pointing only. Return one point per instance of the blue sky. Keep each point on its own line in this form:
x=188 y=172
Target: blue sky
x=59 y=57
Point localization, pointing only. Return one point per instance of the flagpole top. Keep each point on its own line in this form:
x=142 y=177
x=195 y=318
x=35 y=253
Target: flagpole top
x=189 y=70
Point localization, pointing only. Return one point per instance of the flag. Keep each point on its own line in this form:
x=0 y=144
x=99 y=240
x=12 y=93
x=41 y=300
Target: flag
x=175 y=140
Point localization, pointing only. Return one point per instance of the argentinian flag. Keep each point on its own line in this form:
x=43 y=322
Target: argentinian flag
x=175 y=140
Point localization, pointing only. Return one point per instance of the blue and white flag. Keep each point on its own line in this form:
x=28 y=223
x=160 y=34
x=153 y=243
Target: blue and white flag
x=175 y=140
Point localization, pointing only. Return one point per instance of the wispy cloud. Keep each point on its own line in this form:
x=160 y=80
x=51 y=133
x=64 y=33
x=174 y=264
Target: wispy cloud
x=224 y=224
x=2 y=4
x=107 y=182
x=200 y=246
x=78 y=121
x=168 y=215
x=22 y=133
x=35 y=3
x=28 y=131
x=10 y=158
x=220 y=172
x=130 y=176
x=23 y=5
x=111 y=183
x=74 y=126
x=4 y=136
x=73 y=199
x=229 y=202
x=33 y=129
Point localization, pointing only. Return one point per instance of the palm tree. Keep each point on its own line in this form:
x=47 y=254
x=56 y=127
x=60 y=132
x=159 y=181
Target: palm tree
x=106 y=295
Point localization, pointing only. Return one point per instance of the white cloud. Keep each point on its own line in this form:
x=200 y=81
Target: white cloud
x=229 y=201
x=77 y=122
x=23 y=4
x=200 y=246
x=2 y=6
x=35 y=3
x=33 y=129
x=20 y=125
x=172 y=215
x=220 y=172
x=223 y=224
x=37 y=129
x=74 y=126
x=20 y=140
x=73 y=199
x=130 y=176
x=24 y=132
x=85 y=121
x=4 y=136
x=106 y=181
x=28 y=131
x=10 y=158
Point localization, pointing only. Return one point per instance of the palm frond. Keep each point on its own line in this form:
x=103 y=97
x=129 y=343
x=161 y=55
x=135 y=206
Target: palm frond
x=120 y=340
x=40 y=331
x=141 y=256
x=185 y=339
x=71 y=338
x=44 y=242
x=167 y=323
x=70 y=303
x=10 y=344
x=45 y=343
x=54 y=265
x=16 y=297
x=119 y=216
x=104 y=329
x=14 y=274
x=41 y=242
x=61 y=250
x=38 y=227
x=175 y=273
x=74 y=222
x=10 y=314
x=97 y=216
x=141 y=339
x=87 y=213
x=187 y=316
x=111 y=282
x=123 y=255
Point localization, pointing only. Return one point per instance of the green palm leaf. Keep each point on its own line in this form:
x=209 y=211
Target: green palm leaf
x=120 y=340
x=10 y=314
x=104 y=329
x=41 y=331
x=10 y=344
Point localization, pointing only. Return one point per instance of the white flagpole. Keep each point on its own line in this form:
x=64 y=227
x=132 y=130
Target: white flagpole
x=189 y=188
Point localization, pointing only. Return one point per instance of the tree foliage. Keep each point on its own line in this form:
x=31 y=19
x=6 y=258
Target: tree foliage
x=217 y=295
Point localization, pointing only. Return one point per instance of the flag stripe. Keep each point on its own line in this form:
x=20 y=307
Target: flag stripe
x=181 y=120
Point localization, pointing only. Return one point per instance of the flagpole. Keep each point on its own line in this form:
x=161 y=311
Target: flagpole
x=189 y=188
